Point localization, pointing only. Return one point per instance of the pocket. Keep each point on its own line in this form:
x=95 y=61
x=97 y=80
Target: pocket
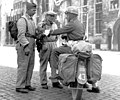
x=42 y=53
x=44 y=47
x=18 y=46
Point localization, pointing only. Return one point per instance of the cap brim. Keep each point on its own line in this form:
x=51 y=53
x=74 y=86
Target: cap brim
x=49 y=13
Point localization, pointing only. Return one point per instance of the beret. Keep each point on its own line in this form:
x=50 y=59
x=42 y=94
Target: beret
x=30 y=5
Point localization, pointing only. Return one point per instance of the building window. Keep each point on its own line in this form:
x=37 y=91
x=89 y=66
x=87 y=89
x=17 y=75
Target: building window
x=98 y=7
x=98 y=26
x=98 y=1
x=85 y=2
x=98 y=16
x=113 y=4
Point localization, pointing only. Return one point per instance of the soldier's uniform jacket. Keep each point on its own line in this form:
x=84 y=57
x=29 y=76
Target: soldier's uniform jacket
x=75 y=30
x=21 y=24
x=25 y=63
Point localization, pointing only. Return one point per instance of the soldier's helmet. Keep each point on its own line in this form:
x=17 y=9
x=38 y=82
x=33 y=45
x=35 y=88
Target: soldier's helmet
x=72 y=9
x=50 y=13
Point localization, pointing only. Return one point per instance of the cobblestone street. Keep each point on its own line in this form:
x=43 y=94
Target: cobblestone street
x=109 y=84
x=31 y=29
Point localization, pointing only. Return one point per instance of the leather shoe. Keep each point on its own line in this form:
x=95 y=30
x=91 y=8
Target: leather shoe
x=22 y=90
x=85 y=85
x=44 y=86
x=57 y=85
x=30 y=88
x=94 y=89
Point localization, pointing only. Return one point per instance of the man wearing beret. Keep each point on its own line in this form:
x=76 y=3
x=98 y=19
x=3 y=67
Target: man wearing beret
x=25 y=50
x=74 y=31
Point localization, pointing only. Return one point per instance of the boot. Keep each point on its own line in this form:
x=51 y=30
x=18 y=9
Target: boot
x=44 y=86
x=57 y=85
x=94 y=90
x=85 y=85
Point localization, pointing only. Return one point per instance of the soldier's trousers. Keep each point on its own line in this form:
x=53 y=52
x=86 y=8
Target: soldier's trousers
x=45 y=57
x=25 y=67
x=55 y=57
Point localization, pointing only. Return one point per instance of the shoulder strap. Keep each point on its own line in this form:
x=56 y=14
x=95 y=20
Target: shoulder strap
x=26 y=23
x=27 y=34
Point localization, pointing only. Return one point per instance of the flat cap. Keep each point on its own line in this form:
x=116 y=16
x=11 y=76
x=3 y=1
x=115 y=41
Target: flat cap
x=50 y=13
x=72 y=9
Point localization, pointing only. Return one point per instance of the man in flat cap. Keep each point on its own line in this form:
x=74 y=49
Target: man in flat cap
x=74 y=31
x=49 y=43
x=25 y=50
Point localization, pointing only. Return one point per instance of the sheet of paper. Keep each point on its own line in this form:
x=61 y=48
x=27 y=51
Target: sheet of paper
x=47 y=32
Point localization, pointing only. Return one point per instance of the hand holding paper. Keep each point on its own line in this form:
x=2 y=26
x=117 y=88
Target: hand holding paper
x=47 y=32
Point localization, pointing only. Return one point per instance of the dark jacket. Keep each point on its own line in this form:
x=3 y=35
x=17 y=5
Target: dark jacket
x=74 y=29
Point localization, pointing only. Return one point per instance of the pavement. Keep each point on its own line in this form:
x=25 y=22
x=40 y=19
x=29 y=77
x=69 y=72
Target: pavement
x=109 y=83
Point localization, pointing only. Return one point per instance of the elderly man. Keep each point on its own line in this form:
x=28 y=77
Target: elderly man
x=75 y=31
x=45 y=50
x=25 y=50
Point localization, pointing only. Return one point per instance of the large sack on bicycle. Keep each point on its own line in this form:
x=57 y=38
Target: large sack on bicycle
x=67 y=67
x=82 y=46
x=94 y=68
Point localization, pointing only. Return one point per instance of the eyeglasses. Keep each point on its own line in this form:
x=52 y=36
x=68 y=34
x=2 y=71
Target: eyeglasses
x=66 y=12
x=52 y=15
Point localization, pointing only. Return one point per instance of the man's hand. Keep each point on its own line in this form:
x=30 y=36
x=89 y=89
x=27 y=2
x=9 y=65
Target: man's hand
x=47 y=32
x=27 y=50
x=64 y=36
x=50 y=32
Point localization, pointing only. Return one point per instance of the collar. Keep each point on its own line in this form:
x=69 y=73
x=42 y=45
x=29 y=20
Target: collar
x=28 y=17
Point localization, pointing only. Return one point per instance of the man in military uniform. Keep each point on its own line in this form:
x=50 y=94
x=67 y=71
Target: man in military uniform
x=49 y=43
x=25 y=50
x=74 y=31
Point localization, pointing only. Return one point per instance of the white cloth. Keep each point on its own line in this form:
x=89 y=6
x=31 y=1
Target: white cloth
x=47 y=32
x=81 y=46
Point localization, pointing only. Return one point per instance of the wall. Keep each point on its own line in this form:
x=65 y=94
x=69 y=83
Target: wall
x=0 y=22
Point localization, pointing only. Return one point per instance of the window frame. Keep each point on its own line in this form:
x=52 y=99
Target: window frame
x=111 y=9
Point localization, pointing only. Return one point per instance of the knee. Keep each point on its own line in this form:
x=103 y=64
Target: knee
x=55 y=51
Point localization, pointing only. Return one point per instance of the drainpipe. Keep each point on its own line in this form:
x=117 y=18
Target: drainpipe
x=3 y=23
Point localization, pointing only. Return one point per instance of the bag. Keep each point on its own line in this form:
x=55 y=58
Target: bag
x=81 y=46
x=12 y=28
x=83 y=55
x=94 y=68
x=67 y=67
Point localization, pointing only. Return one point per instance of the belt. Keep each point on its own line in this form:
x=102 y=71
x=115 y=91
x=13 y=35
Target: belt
x=30 y=35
